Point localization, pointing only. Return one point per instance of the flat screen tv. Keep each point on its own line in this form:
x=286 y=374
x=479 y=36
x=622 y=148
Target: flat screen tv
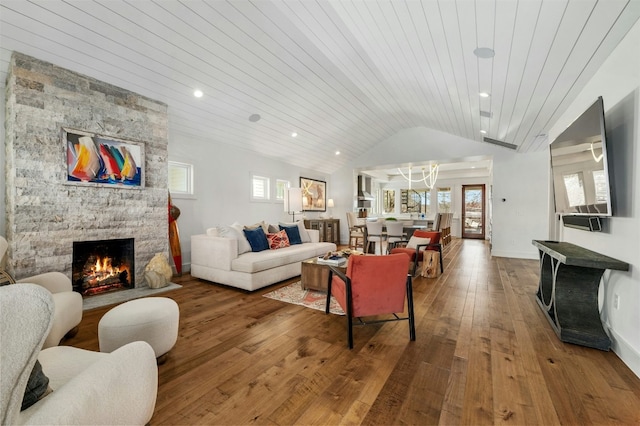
x=579 y=166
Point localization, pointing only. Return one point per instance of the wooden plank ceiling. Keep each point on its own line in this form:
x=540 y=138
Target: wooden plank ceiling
x=344 y=75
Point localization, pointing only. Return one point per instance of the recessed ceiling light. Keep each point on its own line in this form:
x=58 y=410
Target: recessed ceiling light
x=294 y=134
x=483 y=94
x=484 y=52
x=484 y=132
x=198 y=93
x=254 y=117
x=337 y=152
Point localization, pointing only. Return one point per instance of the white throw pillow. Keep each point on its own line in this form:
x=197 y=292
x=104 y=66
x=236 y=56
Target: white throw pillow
x=243 y=243
x=213 y=232
x=414 y=242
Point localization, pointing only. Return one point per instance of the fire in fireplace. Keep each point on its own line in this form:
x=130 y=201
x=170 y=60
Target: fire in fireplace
x=103 y=266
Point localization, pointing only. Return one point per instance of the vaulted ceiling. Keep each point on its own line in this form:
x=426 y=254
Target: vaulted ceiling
x=343 y=75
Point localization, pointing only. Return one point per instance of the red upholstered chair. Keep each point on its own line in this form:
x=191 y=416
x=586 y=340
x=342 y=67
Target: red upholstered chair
x=417 y=254
x=372 y=286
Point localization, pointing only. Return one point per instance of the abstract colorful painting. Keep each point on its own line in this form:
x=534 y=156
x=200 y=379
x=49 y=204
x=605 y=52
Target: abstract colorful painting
x=97 y=159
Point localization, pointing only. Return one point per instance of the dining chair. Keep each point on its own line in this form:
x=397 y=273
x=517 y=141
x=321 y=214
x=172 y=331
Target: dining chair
x=395 y=232
x=373 y=286
x=374 y=235
x=356 y=233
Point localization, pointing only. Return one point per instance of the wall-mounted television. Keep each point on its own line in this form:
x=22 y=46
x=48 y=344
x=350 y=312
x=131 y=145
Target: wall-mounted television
x=579 y=167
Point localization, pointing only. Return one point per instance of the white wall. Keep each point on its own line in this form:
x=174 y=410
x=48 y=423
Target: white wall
x=618 y=82
x=3 y=205
x=522 y=179
x=222 y=186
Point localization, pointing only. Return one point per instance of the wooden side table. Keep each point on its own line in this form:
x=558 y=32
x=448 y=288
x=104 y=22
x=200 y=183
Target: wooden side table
x=329 y=229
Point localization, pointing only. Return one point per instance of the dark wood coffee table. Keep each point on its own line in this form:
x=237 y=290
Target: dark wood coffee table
x=314 y=275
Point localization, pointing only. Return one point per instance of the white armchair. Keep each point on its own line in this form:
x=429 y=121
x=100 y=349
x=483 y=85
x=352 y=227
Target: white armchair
x=88 y=387
x=68 y=303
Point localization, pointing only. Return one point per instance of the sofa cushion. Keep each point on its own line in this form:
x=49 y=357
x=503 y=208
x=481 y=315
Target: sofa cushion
x=255 y=262
x=257 y=239
x=304 y=235
x=414 y=242
x=293 y=233
x=235 y=231
x=262 y=224
x=278 y=240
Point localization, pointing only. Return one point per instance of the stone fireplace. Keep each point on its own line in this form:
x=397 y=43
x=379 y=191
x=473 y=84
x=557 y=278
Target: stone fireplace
x=103 y=266
x=46 y=214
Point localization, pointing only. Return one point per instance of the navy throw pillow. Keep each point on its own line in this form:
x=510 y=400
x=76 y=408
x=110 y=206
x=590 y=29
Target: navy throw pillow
x=293 y=233
x=37 y=387
x=257 y=239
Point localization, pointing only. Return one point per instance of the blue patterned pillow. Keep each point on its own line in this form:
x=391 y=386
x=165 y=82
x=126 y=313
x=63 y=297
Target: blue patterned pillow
x=293 y=233
x=257 y=239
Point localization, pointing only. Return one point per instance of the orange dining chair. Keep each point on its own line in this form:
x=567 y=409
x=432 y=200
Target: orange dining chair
x=373 y=286
x=417 y=254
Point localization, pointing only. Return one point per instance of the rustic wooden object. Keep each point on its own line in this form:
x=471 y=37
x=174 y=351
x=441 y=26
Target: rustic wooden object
x=314 y=275
x=568 y=291
x=430 y=264
x=329 y=229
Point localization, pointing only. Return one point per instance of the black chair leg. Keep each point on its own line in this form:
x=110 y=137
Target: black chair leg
x=412 y=324
x=441 y=265
x=328 y=303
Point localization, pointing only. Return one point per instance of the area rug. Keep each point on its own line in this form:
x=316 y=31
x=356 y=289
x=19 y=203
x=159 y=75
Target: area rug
x=293 y=293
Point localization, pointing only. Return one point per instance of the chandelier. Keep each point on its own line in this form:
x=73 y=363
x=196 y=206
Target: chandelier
x=429 y=176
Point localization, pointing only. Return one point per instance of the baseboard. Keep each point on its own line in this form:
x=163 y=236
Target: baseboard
x=628 y=354
x=514 y=254
x=186 y=267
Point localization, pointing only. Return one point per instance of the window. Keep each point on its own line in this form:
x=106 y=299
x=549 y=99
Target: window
x=600 y=182
x=388 y=200
x=444 y=200
x=180 y=178
x=414 y=201
x=281 y=188
x=260 y=188
x=575 y=189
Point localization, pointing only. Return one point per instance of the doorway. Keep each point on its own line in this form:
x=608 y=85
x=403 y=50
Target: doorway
x=473 y=211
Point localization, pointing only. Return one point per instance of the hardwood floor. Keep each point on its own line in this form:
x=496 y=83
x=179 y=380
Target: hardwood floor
x=484 y=354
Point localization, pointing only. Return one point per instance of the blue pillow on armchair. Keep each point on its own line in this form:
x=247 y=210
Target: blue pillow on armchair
x=293 y=233
x=257 y=239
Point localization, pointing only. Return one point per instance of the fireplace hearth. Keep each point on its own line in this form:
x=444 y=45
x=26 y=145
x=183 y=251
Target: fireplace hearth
x=103 y=266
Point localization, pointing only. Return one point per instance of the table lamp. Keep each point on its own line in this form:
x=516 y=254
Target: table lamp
x=330 y=205
x=293 y=201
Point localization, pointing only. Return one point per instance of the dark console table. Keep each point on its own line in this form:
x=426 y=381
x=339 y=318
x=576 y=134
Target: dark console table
x=568 y=291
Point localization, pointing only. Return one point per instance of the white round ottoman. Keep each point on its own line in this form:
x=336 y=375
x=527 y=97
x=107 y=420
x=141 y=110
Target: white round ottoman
x=150 y=319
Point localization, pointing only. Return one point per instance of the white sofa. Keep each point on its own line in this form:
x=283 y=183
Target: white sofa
x=216 y=259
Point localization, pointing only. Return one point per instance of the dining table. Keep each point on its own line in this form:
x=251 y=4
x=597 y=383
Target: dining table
x=406 y=229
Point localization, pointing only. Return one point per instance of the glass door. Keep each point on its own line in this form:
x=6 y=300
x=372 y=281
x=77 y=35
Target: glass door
x=473 y=211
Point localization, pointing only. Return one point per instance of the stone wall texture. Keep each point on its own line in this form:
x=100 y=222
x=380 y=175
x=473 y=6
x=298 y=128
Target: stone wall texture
x=45 y=214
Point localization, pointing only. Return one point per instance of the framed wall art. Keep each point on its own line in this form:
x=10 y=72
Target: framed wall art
x=314 y=195
x=94 y=159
